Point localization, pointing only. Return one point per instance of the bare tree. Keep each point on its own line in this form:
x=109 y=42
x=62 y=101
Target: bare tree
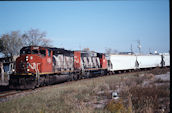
x=1 y=45
x=36 y=38
x=110 y=51
x=45 y=42
x=11 y=43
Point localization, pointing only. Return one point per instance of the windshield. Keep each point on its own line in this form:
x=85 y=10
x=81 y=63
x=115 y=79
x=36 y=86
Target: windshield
x=34 y=51
x=25 y=51
x=42 y=52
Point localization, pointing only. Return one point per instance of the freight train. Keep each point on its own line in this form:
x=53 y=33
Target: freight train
x=38 y=66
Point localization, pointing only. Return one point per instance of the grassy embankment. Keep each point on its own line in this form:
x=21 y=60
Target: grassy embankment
x=138 y=94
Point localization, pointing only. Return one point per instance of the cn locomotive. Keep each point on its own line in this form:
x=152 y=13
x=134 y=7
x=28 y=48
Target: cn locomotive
x=38 y=66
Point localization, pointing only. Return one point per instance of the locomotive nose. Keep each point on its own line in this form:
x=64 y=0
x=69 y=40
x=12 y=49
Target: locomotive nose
x=27 y=64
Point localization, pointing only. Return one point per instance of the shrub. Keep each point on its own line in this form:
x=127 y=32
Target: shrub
x=115 y=106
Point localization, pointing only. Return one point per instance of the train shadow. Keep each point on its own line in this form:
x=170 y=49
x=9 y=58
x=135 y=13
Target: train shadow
x=4 y=88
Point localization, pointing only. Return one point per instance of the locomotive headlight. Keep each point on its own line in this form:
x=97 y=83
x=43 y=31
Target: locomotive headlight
x=27 y=58
x=28 y=69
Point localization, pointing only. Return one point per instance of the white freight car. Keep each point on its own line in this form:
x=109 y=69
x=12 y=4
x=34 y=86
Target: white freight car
x=166 y=59
x=122 y=62
x=148 y=61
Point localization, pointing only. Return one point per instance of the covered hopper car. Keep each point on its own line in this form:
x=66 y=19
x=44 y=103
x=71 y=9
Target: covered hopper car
x=118 y=63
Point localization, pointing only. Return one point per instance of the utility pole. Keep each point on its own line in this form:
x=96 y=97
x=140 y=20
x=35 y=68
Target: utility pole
x=150 y=51
x=139 y=46
x=131 y=48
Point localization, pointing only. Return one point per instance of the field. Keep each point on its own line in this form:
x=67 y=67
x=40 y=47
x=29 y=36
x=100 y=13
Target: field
x=139 y=92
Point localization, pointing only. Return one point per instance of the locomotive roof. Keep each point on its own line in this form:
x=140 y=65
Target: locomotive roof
x=60 y=50
x=55 y=50
x=51 y=48
x=34 y=46
x=64 y=51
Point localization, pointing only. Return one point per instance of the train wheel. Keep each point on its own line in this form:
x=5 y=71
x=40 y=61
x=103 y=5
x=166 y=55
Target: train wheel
x=74 y=77
x=33 y=87
x=71 y=78
x=88 y=75
x=37 y=84
x=79 y=77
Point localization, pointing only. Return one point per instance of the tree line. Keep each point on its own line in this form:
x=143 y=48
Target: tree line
x=11 y=43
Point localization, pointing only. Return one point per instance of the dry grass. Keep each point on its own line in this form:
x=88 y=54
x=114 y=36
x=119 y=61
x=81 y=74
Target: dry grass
x=85 y=95
x=158 y=71
x=147 y=97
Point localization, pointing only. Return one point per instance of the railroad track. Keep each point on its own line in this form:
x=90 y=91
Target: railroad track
x=8 y=93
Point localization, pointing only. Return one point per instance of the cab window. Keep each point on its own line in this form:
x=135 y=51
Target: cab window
x=25 y=51
x=49 y=52
x=42 y=52
x=35 y=51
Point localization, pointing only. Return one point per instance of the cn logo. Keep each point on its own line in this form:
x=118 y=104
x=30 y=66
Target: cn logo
x=34 y=66
x=49 y=60
x=76 y=59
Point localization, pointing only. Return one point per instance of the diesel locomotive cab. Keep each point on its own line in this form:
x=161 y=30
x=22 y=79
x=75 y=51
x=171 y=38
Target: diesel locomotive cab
x=34 y=60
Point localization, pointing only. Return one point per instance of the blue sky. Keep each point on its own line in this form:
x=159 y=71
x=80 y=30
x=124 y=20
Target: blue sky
x=93 y=24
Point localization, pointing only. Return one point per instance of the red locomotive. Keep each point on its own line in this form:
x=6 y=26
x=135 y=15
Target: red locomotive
x=37 y=66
